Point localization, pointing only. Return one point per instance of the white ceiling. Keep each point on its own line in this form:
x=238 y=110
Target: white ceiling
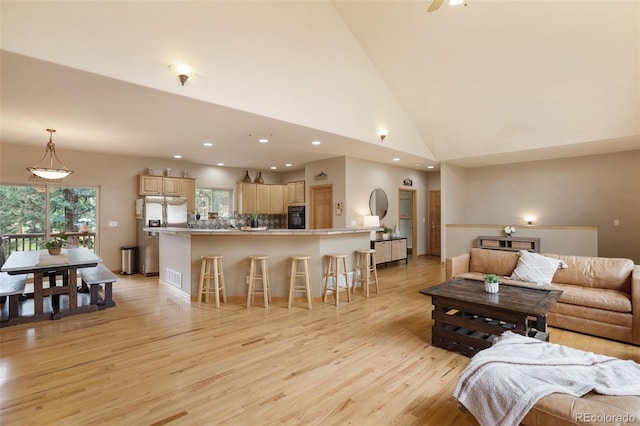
x=493 y=82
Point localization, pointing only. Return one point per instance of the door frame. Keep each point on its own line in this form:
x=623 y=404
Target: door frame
x=414 y=219
x=430 y=226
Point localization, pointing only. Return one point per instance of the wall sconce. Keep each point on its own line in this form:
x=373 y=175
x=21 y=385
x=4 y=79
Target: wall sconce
x=529 y=219
x=48 y=171
x=183 y=71
x=382 y=133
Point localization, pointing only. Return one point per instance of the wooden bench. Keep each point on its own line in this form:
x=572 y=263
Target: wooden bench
x=12 y=287
x=93 y=278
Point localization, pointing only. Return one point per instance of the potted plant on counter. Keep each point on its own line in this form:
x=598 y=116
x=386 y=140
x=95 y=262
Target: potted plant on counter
x=54 y=244
x=491 y=283
x=253 y=217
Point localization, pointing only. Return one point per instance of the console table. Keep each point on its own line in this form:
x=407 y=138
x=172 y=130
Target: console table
x=390 y=250
x=496 y=242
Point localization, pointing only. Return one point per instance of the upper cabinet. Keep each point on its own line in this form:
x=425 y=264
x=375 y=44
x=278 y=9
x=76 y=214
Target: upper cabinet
x=295 y=192
x=260 y=198
x=276 y=199
x=263 y=201
x=188 y=190
x=170 y=187
x=149 y=185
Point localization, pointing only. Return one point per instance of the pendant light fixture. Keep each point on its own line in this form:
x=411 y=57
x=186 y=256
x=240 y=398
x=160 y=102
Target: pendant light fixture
x=47 y=170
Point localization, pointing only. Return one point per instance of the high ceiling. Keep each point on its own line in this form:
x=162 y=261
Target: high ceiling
x=488 y=83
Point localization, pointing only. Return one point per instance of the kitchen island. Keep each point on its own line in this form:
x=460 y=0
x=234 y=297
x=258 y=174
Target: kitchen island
x=181 y=248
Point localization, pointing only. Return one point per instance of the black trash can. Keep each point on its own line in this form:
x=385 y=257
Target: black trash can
x=128 y=260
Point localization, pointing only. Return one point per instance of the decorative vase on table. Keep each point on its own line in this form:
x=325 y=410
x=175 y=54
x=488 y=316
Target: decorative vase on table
x=246 y=178
x=258 y=178
x=491 y=283
x=54 y=251
x=491 y=287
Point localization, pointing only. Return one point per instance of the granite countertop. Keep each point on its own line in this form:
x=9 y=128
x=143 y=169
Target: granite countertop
x=195 y=231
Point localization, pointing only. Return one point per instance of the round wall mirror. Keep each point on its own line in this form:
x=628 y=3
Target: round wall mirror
x=378 y=203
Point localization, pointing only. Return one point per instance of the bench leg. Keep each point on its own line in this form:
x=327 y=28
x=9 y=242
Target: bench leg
x=14 y=300
x=108 y=302
x=94 y=297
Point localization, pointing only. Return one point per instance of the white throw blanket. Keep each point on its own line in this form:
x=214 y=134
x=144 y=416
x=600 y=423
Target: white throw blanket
x=502 y=383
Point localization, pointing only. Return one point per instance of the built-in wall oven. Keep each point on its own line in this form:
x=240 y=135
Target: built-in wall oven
x=295 y=217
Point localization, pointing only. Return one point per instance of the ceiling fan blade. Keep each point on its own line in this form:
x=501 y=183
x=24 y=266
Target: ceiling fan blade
x=435 y=5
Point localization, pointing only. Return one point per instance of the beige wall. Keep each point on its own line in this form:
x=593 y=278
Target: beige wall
x=577 y=241
x=334 y=168
x=362 y=177
x=581 y=191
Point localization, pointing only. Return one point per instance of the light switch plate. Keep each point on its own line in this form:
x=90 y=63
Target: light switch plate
x=113 y=224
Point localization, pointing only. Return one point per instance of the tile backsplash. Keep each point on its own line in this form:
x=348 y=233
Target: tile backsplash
x=271 y=221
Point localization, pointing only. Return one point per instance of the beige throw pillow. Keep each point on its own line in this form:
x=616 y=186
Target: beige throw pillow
x=535 y=268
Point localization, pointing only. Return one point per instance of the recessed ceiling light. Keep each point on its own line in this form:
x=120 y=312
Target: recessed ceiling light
x=207 y=144
x=273 y=168
x=431 y=167
x=263 y=140
x=396 y=159
x=220 y=164
x=315 y=143
x=288 y=165
x=177 y=156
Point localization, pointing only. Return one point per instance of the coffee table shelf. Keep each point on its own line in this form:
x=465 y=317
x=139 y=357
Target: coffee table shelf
x=467 y=319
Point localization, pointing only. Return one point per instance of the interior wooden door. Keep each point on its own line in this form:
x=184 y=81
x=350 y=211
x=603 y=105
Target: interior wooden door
x=408 y=218
x=434 y=223
x=321 y=208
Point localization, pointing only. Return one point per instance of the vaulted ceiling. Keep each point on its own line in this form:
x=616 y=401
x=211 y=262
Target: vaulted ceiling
x=487 y=83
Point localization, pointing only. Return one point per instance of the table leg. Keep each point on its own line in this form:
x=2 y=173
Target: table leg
x=73 y=289
x=541 y=323
x=38 y=294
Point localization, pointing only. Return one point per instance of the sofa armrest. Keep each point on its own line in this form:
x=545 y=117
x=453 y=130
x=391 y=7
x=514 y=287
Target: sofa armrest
x=458 y=265
x=635 y=304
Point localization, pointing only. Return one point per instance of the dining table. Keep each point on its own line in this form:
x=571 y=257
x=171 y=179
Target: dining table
x=44 y=265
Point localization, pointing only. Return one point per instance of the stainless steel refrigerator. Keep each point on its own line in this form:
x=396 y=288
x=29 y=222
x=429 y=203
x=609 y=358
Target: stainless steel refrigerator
x=156 y=211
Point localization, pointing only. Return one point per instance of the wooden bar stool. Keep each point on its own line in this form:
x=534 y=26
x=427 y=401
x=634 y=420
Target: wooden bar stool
x=293 y=287
x=206 y=275
x=333 y=271
x=365 y=270
x=263 y=277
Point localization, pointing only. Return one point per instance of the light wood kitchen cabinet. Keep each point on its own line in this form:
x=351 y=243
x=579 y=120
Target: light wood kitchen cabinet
x=276 y=203
x=159 y=185
x=247 y=197
x=263 y=202
x=188 y=191
x=149 y=185
x=171 y=186
x=260 y=198
x=295 y=192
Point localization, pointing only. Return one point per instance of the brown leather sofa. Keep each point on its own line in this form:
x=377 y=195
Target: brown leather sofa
x=601 y=296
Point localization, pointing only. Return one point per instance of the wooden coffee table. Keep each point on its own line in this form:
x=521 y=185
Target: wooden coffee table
x=467 y=319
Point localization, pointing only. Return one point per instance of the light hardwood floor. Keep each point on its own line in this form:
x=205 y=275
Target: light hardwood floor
x=158 y=359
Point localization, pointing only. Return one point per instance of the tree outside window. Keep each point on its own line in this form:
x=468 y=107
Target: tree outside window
x=214 y=200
